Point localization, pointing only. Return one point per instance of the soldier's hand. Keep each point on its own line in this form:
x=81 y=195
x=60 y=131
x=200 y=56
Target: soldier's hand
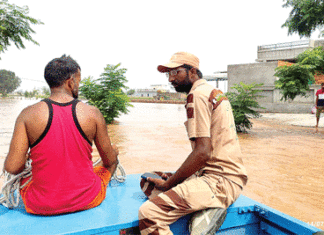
x=159 y=184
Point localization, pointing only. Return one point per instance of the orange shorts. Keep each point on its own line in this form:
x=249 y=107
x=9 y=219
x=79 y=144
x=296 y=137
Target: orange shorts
x=105 y=177
x=100 y=171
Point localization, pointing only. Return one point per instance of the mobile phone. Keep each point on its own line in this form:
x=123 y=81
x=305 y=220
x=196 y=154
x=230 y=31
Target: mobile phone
x=151 y=175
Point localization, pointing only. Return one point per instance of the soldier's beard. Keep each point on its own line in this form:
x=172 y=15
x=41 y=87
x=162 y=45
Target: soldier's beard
x=184 y=86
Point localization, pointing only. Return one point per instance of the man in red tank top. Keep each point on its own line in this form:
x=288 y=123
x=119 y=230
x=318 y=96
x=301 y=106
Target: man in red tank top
x=319 y=103
x=59 y=131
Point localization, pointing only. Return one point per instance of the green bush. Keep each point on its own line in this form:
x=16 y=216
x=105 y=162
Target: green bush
x=106 y=93
x=244 y=103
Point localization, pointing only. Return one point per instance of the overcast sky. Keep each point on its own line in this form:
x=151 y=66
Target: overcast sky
x=145 y=33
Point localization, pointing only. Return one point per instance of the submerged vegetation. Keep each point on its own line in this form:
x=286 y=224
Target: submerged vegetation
x=107 y=92
x=244 y=104
x=37 y=93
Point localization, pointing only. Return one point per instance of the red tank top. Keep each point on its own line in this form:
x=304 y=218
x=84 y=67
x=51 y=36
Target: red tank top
x=63 y=177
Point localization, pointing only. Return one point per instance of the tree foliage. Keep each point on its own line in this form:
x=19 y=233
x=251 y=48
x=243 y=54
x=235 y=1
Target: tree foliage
x=8 y=82
x=15 y=25
x=295 y=80
x=32 y=94
x=244 y=104
x=131 y=92
x=106 y=93
x=46 y=92
x=305 y=17
x=38 y=93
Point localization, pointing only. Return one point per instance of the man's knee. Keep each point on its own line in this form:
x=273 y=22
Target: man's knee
x=145 y=211
x=145 y=217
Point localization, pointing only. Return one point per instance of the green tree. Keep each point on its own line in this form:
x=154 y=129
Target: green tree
x=27 y=94
x=305 y=17
x=15 y=25
x=295 y=80
x=35 y=93
x=131 y=92
x=244 y=104
x=20 y=93
x=46 y=92
x=107 y=92
x=8 y=82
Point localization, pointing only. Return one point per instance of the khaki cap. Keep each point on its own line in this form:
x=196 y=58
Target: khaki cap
x=178 y=59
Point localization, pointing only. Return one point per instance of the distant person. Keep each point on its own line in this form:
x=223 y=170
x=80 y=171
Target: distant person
x=213 y=175
x=319 y=104
x=59 y=131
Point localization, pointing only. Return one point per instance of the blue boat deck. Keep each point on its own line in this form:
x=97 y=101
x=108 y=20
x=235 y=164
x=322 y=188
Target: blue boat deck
x=118 y=214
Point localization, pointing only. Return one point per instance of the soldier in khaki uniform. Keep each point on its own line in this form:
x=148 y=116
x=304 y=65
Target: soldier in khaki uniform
x=213 y=175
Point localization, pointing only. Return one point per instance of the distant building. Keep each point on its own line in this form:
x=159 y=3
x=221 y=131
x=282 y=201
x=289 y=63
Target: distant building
x=145 y=93
x=160 y=87
x=269 y=57
x=152 y=91
x=220 y=79
x=164 y=90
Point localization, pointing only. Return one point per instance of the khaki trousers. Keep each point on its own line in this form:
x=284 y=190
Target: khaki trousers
x=194 y=194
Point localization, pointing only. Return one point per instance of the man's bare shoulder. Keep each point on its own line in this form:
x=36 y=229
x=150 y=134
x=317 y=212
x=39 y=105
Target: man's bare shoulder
x=88 y=110
x=37 y=110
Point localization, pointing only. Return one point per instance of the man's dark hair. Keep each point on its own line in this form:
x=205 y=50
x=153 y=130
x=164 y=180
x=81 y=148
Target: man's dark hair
x=60 y=69
x=188 y=67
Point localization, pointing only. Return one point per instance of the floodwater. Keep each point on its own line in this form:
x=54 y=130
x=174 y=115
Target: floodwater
x=9 y=111
x=285 y=163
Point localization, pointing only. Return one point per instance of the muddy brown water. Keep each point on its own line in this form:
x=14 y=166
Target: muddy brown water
x=285 y=163
x=285 y=166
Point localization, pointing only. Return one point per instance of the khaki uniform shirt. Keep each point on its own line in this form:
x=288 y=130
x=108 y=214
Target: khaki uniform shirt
x=209 y=114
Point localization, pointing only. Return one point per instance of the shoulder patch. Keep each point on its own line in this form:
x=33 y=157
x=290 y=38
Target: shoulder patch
x=216 y=97
x=190 y=112
x=190 y=98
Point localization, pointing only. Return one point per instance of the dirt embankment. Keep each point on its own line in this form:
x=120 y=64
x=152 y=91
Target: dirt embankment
x=158 y=101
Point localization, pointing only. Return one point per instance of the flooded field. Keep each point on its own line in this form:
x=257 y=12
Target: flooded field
x=284 y=162
x=285 y=166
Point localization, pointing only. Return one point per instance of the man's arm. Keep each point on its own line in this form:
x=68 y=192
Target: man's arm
x=195 y=161
x=17 y=156
x=107 y=151
x=316 y=102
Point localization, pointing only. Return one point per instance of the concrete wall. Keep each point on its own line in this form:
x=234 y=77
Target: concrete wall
x=318 y=43
x=284 y=54
x=249 y=73
x=264 y=73
x=285 y=51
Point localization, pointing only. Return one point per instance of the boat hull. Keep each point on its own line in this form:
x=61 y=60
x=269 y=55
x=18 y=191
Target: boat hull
x=118 y=214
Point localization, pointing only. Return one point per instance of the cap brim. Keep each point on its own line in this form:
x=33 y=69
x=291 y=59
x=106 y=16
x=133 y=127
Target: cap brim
x=167 y=67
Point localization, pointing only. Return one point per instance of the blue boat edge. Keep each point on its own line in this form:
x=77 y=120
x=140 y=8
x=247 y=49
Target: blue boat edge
x=118 y=214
